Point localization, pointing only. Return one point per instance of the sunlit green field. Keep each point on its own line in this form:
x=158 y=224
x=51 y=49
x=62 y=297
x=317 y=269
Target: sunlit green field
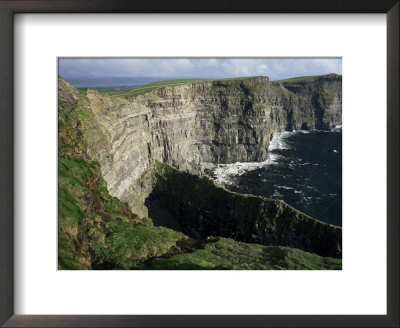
x=164 y=83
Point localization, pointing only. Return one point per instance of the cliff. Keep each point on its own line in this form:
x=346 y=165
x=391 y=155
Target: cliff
x=188 y=124
x=98 y=231
x=205 y=208
x=313 y=102
x=117 y=148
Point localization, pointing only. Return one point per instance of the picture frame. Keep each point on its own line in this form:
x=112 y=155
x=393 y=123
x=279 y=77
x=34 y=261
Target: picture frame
x=7 y=10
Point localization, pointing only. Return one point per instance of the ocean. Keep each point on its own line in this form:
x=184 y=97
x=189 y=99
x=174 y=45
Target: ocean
x=303 y=168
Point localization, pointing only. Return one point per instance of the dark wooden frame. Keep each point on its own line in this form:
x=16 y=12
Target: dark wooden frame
x=7 y=10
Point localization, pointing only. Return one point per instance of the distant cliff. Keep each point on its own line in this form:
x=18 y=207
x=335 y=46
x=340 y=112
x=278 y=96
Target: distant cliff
x=313 y=102
x=188 y=124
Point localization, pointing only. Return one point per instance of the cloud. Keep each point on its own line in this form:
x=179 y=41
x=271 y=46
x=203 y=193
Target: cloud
x=274 y=68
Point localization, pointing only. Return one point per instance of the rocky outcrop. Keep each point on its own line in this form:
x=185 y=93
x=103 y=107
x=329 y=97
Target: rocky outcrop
x=206 y=209
x=67 y=95
x=189 y=124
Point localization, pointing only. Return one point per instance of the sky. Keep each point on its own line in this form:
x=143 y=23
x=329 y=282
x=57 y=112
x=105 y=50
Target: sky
x=274 y=68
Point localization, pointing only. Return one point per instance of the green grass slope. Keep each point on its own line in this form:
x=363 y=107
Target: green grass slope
x=226 y=254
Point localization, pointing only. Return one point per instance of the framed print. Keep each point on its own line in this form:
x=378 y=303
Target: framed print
x=191 y=165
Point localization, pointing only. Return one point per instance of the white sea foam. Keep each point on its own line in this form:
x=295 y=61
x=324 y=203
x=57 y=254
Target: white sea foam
x=278 y=141
x=277 y=194
x=337 y=128
x=226 y=174
x=284 y=187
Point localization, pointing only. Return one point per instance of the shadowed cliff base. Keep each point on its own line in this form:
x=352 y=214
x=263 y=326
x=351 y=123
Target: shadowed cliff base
x=160 y=214
x=205 y=208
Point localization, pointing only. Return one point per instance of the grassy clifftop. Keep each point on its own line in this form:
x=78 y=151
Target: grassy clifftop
x=309 y=78
x=168 y=83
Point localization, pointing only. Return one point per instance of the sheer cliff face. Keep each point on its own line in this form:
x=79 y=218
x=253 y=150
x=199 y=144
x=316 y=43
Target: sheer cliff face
x=308 y=104
x=190 y=124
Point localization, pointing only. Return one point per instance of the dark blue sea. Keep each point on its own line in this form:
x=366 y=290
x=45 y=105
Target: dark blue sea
x=303 y=168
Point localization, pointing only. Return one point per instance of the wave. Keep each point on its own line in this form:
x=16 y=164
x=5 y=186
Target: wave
x=337 y=128
x=225 y=174
x=278 y=140
x=284 y=187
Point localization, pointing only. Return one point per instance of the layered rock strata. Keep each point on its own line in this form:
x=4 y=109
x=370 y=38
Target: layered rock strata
x=190 y=124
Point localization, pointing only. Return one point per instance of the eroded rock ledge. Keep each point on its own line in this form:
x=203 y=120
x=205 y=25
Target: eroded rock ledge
x=207 y=209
